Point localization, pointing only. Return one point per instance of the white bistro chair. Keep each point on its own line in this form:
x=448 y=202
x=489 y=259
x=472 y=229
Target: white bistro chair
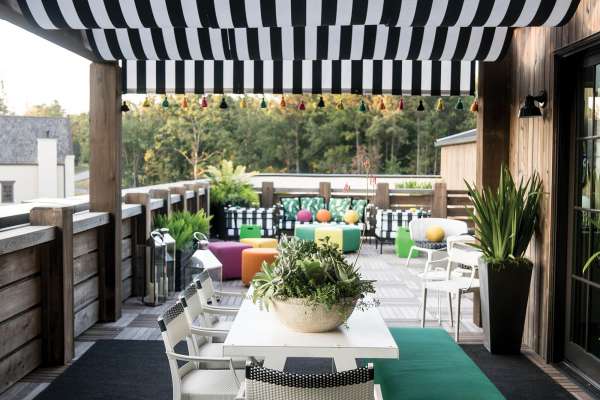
x=267 y=384
x=215 y=313
x=191 y=381
x=418 y=227
x=455 y=285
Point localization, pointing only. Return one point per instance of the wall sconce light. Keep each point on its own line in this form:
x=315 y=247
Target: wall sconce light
x=529 y=109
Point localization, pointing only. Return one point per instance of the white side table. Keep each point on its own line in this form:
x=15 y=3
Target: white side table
x=207 y=260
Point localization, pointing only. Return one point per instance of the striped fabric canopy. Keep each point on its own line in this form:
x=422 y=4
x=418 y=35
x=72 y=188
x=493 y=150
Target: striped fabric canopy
x=438 y=78
x=419 y=47
x=110 y=14
x=350 y=42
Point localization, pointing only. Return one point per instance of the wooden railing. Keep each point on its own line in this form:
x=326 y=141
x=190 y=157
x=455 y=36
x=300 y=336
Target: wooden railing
x=55 y=275
x=441 y=202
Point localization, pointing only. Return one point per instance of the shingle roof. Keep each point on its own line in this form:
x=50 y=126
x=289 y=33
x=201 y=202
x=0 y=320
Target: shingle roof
x=18 y=138
x=459 y=138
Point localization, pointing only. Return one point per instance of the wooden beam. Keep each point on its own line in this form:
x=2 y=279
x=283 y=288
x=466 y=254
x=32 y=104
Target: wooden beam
x=57 y=285
x=325 y=190
x=105 y=180
x=72 y=40
x=143 y=227
x=267 y=192
x=440 y=200
x=165 y=195
x=493 y=120
x=382 y=195
x=181 y=191
x=195 y=188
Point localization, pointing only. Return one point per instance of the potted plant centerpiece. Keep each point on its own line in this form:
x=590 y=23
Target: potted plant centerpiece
x=310 y=287
x=505 y=220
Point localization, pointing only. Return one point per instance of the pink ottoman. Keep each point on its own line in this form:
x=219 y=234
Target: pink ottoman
x=230 y=255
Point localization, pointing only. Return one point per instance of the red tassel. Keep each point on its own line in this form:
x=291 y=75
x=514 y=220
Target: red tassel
x=203 y=102
x=381 y=105
x=401 y=105
x=301 y=106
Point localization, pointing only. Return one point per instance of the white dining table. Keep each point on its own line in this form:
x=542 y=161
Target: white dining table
x=258 y=333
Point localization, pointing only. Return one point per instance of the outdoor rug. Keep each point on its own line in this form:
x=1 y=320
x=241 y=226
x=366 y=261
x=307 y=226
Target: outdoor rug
x=515 y=376
x=431 y=366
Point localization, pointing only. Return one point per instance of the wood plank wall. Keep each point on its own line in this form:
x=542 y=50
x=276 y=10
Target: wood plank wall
x=531 y=148
x=127 y=251
x=21 y=311
x=458 y=163
x=85 y=280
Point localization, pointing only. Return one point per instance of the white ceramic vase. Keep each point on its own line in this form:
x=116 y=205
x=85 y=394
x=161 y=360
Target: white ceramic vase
x=297 y=316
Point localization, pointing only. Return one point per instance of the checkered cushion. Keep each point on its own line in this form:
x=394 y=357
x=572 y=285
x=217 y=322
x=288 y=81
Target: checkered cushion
x=387 y=222
x=426 y=244
x=291 y=225
x=235 y=217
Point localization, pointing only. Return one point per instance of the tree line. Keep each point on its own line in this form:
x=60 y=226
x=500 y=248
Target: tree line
x=169 y=138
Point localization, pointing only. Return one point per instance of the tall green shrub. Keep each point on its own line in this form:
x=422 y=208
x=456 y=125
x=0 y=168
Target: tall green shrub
x=230 y=185
x=182 y=225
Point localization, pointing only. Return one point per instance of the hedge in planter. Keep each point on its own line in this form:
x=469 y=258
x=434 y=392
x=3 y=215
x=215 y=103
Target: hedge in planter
x=505 y=220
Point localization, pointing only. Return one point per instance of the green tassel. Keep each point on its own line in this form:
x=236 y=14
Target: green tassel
x=459 y=105
x=362 y=107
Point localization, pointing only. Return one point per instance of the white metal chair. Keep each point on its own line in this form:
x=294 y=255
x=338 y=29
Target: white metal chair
x=209 y=301
x=190 y=381
x=452 y=285
x=418 y=228
x=267 y=384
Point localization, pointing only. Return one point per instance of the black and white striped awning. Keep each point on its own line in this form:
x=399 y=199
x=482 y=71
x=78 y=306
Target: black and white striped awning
x=110 y=14
x=350 y=42
x=419 y=47
x=422 y=78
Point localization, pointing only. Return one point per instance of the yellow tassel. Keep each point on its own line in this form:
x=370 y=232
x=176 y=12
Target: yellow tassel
x=440 y=105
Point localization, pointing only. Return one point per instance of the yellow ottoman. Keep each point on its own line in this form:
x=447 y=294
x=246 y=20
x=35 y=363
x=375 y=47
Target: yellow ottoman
x=260 y=242
x=335 y=235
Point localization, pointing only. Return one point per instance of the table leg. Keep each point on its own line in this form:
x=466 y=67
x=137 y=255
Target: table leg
x=345 y=363
x=276 y=362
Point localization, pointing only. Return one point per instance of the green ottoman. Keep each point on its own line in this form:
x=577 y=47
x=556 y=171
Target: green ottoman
x=351 y=235
x=250 y=231
x=305 y=232
x=404 y=243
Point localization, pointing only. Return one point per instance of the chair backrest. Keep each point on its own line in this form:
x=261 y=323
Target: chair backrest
x=206 y=289
x=192 y=307
x=174 y=328
x=451 y=227
x=263 y=383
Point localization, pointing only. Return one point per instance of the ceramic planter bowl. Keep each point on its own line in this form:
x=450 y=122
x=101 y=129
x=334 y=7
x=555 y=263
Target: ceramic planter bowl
x=297 y=316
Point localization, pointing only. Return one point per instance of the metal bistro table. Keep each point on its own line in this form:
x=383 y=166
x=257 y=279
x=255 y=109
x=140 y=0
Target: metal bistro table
x=258 y=333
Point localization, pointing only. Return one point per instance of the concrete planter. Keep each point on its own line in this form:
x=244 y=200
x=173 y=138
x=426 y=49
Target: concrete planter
x=504 y=295
x=297 y=316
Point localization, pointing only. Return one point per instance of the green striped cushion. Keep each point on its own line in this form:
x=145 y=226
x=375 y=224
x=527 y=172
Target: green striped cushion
x=291 y=206
x=338 y=207
x=359 y=206
x=312 y=204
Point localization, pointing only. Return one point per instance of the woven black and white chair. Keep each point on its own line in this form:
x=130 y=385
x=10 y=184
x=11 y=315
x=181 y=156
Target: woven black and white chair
x=267 y=384
x=192 y=380
x=388 y=222
x=203 y=327
x=266 y=218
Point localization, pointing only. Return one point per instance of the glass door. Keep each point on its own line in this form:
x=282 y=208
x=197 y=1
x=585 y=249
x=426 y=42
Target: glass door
x=583 y=287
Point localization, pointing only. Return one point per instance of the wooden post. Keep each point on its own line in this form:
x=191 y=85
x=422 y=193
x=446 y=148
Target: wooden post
x=493 y=127
x=382 y=195
x=195 y=188
x=268 y=191
x=493 y=120
x=181 y=191
x=325 y=190
x=166 y=196
x=105 y=180
x=439 y=207
x=57 y=286
x=204 y=198
x=143 y=227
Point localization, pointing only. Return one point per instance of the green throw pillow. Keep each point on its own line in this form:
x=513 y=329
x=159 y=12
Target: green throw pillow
x=338 y=207
x=312 y=204
x=359 y=206
x=291 y=206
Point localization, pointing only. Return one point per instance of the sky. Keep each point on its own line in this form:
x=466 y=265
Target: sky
x=35 y=71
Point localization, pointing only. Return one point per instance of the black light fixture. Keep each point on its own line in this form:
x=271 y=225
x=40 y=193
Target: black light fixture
x=529 y=109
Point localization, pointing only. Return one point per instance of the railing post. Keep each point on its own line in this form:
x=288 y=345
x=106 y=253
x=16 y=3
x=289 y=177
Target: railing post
x=57 y=286
x=195 y=187
x=204 y=200
x=382 y=195
x=143 y=227
x=439 y=207
x=267 y=194
x=325 y=190
x=181 y=191
x=166 y=196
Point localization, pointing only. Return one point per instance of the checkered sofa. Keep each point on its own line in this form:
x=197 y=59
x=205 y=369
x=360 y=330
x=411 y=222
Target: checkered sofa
x=387 y=223
x=266 y=218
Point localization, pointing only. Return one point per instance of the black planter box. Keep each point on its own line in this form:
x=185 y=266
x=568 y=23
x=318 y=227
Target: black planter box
x=218 y=223
x=504 y=293
x=183 y=276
